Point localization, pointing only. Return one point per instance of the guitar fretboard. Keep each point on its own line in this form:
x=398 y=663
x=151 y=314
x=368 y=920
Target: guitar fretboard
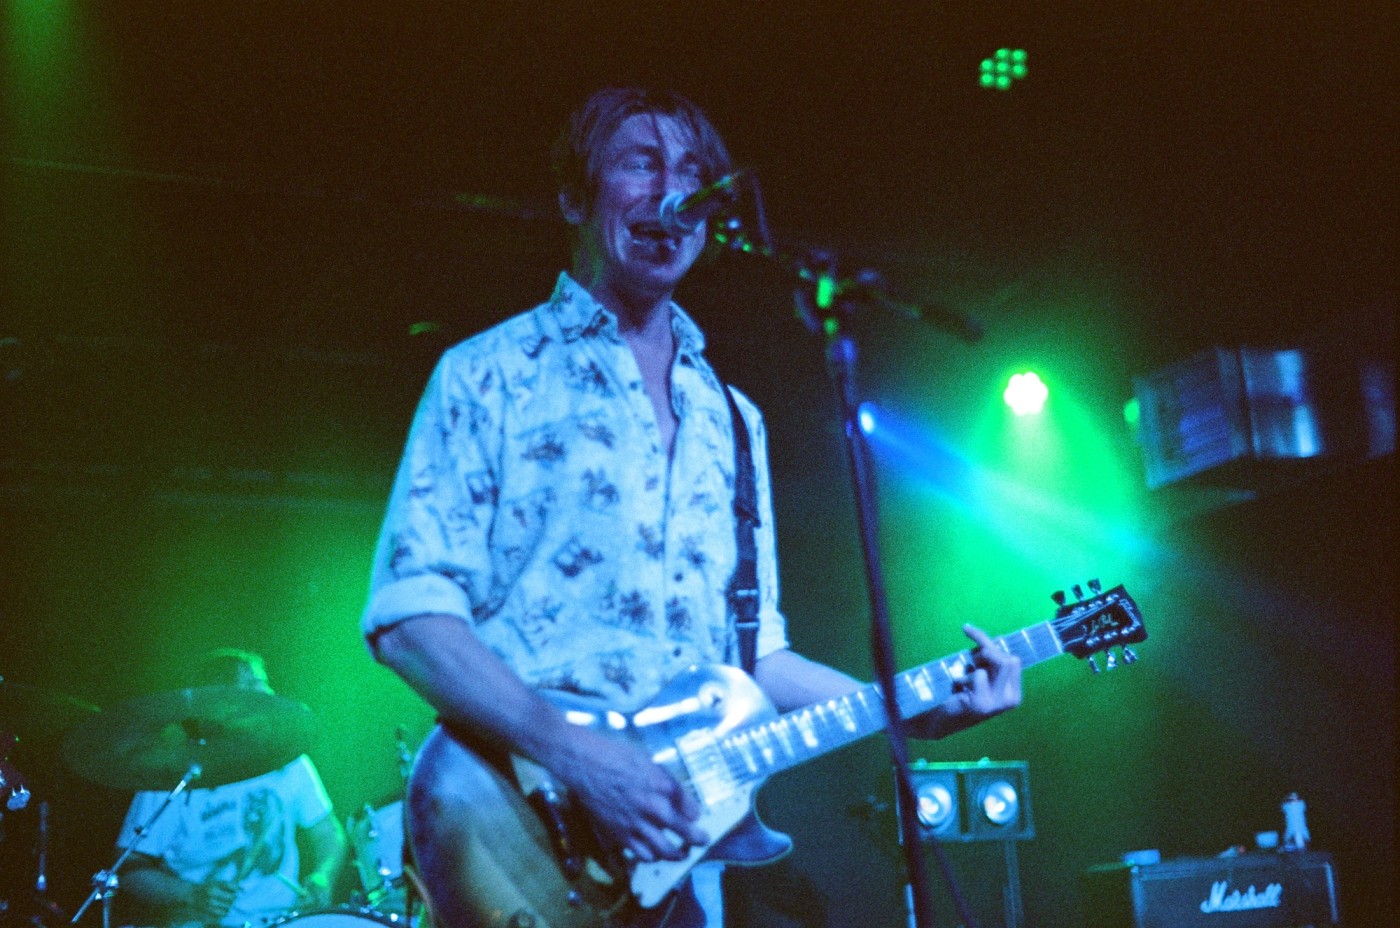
x=759 y=751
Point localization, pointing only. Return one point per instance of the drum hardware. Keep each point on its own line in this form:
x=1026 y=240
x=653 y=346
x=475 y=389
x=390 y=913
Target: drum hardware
x=12 y=783
x=404 y=755
x=104 y=882
x=213 y=734
x=343 y=916
x=379 y=851
x=38 y=716
x=376 y=846
x=32 y=721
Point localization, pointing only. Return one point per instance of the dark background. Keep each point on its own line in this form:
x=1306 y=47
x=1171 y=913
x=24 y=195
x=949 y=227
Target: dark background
x=224 y=223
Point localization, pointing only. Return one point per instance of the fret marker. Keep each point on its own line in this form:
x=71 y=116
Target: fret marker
x=764 y=745
x=804 y=728
x=746 y=751
x=782 y=729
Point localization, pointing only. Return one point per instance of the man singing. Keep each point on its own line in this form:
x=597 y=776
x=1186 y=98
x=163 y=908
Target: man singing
x=563 y=516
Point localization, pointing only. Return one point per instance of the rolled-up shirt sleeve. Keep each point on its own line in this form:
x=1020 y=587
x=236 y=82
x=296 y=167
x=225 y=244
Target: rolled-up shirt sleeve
x=432 y=556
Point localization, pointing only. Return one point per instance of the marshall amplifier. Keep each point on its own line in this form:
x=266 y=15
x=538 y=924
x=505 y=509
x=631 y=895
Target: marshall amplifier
x=1270 y=890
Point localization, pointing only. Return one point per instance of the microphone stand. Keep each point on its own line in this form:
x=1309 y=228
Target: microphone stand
x=104 y=882
x=828 y=303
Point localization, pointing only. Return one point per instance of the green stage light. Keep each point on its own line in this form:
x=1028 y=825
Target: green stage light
x=866 y=418
x=1026 y=394
x=1004 y=68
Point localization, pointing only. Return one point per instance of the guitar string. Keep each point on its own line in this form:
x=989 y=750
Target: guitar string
x=753 y=754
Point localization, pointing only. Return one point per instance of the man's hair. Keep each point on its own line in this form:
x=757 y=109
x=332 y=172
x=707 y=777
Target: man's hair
x=229 y=667
x=579 y=147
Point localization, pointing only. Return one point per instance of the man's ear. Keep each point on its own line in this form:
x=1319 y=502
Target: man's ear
x=571 y=205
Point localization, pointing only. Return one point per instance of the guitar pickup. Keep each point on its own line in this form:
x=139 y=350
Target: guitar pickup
x=550 y=807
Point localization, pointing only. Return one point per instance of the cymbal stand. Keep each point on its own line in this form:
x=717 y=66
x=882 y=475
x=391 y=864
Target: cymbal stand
x=411 y=887
x=104 y=882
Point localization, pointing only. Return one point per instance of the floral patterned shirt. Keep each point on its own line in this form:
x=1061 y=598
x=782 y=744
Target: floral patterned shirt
x=535 y=502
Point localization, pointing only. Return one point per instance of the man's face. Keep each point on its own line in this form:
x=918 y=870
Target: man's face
x=621 y=246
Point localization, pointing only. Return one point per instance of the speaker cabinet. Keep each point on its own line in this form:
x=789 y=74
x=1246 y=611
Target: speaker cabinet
x=1269 y=890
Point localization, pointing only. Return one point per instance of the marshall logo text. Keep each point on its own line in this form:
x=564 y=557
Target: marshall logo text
x=1218 y=901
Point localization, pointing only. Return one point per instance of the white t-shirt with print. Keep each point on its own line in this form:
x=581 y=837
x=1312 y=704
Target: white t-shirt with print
x=243 y=833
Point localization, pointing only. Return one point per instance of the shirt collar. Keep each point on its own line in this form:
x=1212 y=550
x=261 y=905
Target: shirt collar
x=579 y=315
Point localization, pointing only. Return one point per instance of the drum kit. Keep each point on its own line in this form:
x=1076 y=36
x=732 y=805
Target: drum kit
x=183 y=739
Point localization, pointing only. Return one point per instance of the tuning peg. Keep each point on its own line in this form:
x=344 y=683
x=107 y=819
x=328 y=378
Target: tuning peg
x=1095 y=586
x=1129 y=655
x=1059 y=597
x=1078 y=591
x=1109 y=661
x=1093 y=664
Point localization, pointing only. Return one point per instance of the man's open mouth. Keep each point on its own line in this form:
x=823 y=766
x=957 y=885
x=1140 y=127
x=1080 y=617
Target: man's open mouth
x=651 y=235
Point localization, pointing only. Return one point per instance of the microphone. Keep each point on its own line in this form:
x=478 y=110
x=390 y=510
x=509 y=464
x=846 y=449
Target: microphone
x=682 y=214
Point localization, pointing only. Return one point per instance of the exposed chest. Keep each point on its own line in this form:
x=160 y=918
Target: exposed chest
x=654 y=364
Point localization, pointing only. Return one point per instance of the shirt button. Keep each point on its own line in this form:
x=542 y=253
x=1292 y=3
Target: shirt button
x=679 y=577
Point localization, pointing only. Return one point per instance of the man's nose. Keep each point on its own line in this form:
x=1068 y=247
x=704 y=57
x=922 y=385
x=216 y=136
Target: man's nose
x=672 y=180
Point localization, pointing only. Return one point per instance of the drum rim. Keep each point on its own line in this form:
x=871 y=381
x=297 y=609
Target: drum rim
x=345 y=910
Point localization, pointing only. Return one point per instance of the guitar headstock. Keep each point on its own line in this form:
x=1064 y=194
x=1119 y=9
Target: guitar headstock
x=1102 y=620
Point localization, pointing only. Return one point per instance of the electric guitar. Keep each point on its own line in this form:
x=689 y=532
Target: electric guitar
x=498 y=844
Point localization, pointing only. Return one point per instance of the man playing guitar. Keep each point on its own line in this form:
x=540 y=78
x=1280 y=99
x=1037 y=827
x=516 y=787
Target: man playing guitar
x=563 y=520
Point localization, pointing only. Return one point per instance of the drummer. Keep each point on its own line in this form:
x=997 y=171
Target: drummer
x=242 y=853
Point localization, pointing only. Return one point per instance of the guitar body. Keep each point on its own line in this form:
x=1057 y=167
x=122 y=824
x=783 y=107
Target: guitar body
x=494 y=852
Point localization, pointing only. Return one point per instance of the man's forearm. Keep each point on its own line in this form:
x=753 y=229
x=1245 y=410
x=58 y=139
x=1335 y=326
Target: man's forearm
x=153 y=886
x=792 y=681
x=323 y=857
x=468 y=685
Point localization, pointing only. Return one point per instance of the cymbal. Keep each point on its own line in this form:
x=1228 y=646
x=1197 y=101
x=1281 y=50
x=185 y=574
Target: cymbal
x=35 y=714
x=150 y=742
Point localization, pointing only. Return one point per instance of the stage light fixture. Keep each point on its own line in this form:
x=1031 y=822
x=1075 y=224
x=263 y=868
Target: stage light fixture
x=1026 y=394
x=980 y=801
x=1253 y=419
x=1004 y=68
x=937 y=807
x=998 y=802
x=866 y=418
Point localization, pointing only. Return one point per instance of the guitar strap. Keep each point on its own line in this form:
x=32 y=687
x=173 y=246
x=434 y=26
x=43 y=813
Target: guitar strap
x=742 y=594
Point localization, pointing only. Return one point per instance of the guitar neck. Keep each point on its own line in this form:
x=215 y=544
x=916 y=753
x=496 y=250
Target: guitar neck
x=759 y=751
